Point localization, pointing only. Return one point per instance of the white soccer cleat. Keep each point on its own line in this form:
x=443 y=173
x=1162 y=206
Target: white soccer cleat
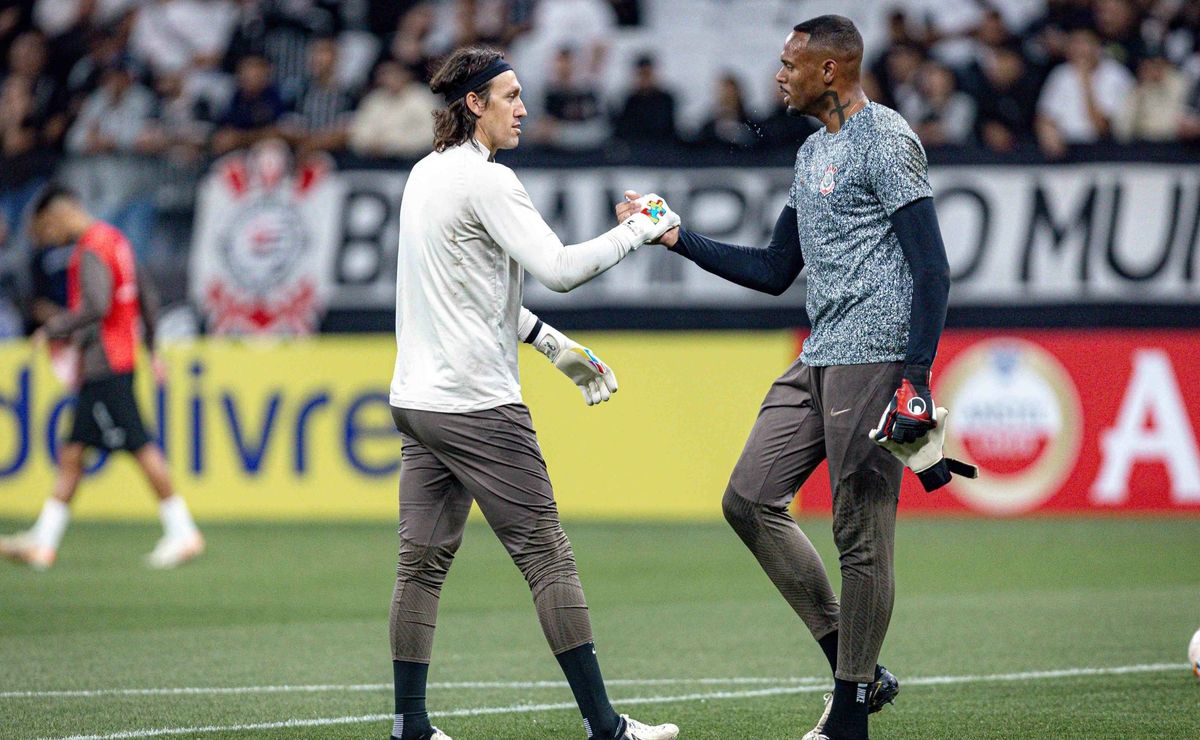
x=635 y=730
x=439 y=735
x=818 y=732
x=21 y=548
x=171 y=552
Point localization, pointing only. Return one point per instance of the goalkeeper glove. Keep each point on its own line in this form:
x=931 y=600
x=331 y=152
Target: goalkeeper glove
x=924 y=456
x=909 y=415
x=653 y=219
x=595 y=379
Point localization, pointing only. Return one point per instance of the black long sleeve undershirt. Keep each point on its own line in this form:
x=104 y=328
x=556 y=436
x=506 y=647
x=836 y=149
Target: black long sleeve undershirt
x=920 y=237
x=774 y=268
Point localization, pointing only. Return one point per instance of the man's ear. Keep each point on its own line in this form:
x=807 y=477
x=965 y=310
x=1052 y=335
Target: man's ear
x=474 y=104
x=829 y=71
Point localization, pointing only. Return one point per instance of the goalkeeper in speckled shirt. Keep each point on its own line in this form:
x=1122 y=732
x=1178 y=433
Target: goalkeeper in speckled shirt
x=860 y=216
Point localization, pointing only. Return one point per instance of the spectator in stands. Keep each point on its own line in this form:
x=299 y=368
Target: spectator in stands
x=321 y=119
x=1050 y=32
x=396 y=118
x=647 y=116
x=1006 y=97
x=184 y=120
x=491 y=22
x=104 y=48
x=1156 y=109
x=116 y=117
x=247 y=34
x=940 y=113
x=254 y=112
x=730 y=124
x=57 y=18
x=877 y=81
x=1081 y=96
x=179 y=35
x=1182 y=35
x=27 y=58
x=25 y=161
x=901 y=62
x=278 y=31
x=574 y=119
x=992 y=32
x=411 y=45
x=1119 y=25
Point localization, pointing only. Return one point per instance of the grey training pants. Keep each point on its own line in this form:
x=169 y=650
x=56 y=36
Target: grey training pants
x=812 y=414
x=490 y=457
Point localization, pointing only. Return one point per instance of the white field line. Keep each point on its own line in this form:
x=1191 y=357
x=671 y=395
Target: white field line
x=527 y=708
x=356 y=687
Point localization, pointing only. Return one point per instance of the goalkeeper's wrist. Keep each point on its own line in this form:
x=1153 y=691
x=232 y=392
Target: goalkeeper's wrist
x=632 y=232
x=917 y=374
x=547 y=340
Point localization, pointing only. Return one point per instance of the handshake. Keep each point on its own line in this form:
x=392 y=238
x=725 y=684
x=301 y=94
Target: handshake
x=649 y=218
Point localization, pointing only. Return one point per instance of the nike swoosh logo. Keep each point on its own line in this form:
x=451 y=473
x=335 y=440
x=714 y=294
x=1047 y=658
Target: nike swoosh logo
x=838 y=413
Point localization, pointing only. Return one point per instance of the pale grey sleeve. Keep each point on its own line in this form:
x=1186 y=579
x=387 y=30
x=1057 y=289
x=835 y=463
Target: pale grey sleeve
x=506 y=211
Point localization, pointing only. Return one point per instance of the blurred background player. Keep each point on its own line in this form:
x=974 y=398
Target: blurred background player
x=860 y=215
x=468 y=231
x=106 y=296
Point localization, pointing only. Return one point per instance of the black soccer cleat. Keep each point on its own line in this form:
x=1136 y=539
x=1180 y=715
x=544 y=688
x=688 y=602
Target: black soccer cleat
x=883 y=690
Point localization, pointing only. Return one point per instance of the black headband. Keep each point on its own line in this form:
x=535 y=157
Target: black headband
x=497 y=67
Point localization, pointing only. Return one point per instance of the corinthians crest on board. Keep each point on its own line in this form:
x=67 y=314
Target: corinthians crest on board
x=262 y=242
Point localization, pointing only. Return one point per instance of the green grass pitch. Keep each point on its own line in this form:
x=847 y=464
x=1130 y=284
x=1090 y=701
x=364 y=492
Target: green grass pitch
x=994 y=622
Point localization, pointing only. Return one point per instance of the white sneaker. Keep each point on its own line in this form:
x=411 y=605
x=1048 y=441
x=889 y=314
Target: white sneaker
x=171 y=552
x=818 y=732
x=21 y=548
x=635 y=730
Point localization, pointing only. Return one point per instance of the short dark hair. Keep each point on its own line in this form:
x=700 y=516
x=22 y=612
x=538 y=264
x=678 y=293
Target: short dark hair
x=455 y=124
x=833 y=32
x=52 y=193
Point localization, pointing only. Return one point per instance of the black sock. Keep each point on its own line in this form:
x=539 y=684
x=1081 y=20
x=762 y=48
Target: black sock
x=848 y=716
x=582 y=670
x=828 y=643
x=412 y=720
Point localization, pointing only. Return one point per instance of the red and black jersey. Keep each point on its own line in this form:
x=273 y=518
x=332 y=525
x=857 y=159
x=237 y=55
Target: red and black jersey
x=104 y=302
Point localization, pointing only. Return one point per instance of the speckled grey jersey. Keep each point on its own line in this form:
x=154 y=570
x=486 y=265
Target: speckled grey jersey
x=859 y=286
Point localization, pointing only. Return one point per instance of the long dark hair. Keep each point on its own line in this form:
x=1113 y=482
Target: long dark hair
x=455 y=123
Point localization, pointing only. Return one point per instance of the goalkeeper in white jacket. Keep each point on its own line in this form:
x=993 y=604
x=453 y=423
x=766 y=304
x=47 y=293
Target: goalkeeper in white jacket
x=468 y=232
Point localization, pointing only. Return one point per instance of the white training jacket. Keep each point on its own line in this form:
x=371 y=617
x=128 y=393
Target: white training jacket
x=468 y=230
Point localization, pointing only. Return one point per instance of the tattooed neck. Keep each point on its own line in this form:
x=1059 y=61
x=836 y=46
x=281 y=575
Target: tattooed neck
x=838 y=108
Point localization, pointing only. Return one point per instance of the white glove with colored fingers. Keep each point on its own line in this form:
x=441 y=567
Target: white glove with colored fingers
x=595 y=379
x=652 y=219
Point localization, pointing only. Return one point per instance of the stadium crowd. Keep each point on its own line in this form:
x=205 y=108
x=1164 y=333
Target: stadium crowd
x=99 y=85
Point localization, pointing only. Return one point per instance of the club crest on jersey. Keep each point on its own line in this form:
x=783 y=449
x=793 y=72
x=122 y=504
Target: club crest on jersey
x=655 y=209
x=827 y=183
